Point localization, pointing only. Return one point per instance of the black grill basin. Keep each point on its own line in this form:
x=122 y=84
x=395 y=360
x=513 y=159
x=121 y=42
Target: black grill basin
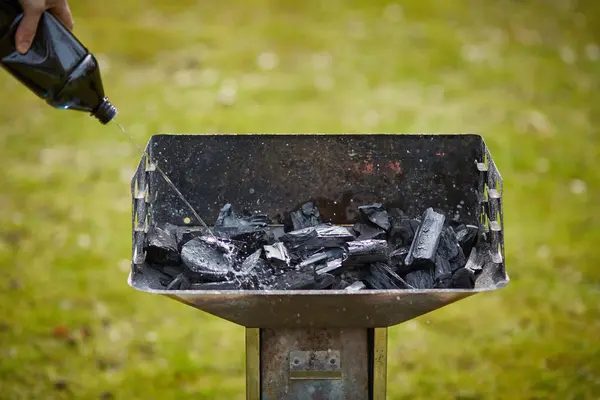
x=275 y=174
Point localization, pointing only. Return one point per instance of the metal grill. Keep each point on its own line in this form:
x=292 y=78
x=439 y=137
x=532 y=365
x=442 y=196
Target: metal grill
x=292 y=336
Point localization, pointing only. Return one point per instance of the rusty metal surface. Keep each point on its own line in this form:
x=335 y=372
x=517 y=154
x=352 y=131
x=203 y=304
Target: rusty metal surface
x=273 y=173
x=286 y=353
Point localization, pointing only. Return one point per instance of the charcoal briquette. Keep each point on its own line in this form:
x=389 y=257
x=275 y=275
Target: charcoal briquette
x=161 y=246
x=376 y=215
x=209 y=255
x=425 y=244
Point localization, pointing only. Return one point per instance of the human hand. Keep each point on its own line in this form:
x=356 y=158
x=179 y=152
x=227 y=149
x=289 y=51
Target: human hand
x=32 y=12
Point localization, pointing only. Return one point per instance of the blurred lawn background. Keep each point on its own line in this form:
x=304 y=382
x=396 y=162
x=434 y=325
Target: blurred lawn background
x=526 y=75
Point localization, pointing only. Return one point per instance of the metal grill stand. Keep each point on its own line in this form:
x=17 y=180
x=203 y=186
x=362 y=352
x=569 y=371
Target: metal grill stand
x=316 y=363
x=318 y=344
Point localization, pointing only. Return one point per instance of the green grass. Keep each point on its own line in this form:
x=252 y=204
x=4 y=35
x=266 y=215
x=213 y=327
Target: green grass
x=523 y=74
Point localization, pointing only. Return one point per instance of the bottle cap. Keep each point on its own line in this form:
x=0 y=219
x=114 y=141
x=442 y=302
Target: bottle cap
x=105 y=112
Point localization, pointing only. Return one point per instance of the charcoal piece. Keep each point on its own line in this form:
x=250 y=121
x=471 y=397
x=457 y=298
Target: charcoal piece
x=161 y=247
x=229 y=224
x=278 y=255
x=224 y=285
x=366 y=251
x=466 y=236
x=463 y=279
x=424 y=246
x=351 y=274
x=307 y=216
x=314 y=260
x=323 y=256
x=179 y=230
x=366 y=232
x=339 y=283
x=448 y=246
x=313 y=238
x=443 y=281
x=396 y=259
x=251 y=262
x=450 y=250
x=381 y=276
x=475 y=261
x=442 y=266
x=165 y=272
x=257 y=277
x=181 y=282
x=402 y=230
x=356 y=286
x=253 y=241
x=172 y=271
x=459 y=261
x=331 y=266
x=324 y=281
x=420 y=279
x=294 y=280
x=165 y=281
x=184 y=234
x=209 y=255
x=376 y=215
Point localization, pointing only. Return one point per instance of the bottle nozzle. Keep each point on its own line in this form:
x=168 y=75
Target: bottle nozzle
x=105 y=112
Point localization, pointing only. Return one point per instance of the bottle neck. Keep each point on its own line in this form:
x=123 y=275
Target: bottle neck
x=105 y=112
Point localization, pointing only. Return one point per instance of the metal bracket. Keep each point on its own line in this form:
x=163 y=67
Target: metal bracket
x=315 y=365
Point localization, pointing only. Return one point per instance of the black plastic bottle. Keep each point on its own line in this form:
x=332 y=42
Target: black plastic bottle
x=57 y=67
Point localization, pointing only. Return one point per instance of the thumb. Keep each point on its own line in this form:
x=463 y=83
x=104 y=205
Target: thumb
x=27 y=28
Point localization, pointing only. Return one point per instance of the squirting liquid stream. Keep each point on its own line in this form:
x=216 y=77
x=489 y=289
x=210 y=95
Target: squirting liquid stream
x=166 y=178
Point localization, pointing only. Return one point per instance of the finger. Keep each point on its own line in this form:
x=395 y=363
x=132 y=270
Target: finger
x=27 y=28
x=63 y=13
